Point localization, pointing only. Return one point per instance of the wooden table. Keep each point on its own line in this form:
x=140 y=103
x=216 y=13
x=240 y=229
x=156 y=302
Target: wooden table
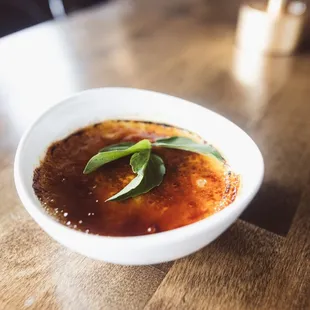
x=184 y=48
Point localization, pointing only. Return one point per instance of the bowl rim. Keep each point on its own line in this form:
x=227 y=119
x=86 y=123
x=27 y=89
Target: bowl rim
x=32 y=206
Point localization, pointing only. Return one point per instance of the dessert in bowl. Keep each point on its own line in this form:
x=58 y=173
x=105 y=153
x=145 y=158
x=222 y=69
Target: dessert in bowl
x=135 y=177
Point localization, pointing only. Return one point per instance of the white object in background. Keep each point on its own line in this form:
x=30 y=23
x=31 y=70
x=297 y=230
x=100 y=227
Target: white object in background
x=275 y=7
x=57 y=8
x=97 y=105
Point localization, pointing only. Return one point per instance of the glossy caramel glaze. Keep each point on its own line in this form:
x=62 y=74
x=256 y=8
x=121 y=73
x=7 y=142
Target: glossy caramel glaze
x=194 y=187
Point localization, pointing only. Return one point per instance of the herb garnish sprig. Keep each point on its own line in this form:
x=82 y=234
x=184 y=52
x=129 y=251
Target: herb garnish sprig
x=148 y=167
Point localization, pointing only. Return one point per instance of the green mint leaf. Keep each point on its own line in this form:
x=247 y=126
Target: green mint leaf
x=104 y=157
x=117 y=147
x=186 y=144
x=150 y=171
x=138 y=161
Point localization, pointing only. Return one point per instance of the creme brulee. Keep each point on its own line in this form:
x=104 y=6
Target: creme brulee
x=194 y=186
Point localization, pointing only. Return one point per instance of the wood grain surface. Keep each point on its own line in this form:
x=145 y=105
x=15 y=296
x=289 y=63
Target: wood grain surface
x=184 y=48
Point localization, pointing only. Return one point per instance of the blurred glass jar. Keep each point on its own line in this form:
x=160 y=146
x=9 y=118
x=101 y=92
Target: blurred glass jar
x=274 y=28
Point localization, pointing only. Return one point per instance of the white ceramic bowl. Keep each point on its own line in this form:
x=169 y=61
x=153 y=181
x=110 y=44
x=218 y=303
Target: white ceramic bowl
x=123 y=103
